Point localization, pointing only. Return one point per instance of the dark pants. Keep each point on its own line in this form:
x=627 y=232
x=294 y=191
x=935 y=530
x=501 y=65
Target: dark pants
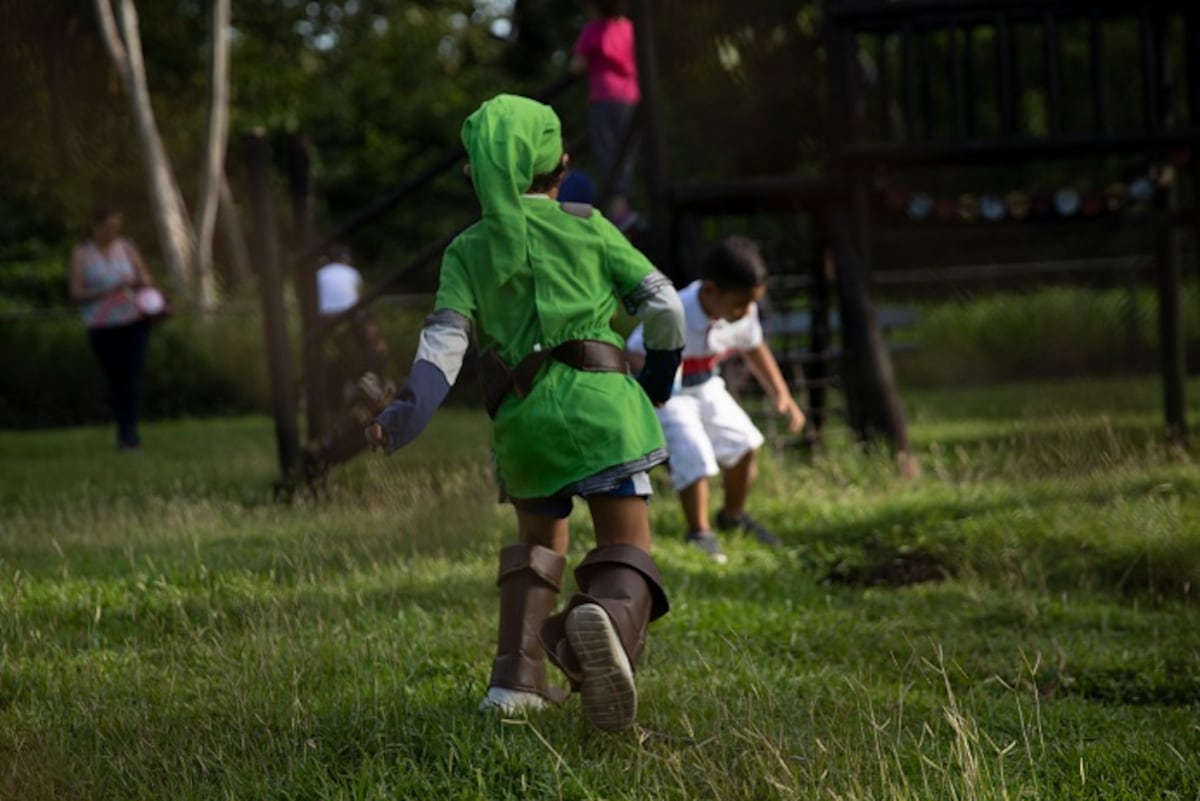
x=121 y=351
x=607 y=123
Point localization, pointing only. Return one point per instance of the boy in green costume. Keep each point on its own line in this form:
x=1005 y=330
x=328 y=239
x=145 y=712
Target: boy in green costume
x=536 y=283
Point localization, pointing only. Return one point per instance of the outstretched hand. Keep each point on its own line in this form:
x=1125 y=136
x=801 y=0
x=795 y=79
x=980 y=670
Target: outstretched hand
x=786 y=407
x=376 y=437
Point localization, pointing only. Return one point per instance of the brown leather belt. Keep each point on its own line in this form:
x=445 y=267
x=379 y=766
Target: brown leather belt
x=589 y=355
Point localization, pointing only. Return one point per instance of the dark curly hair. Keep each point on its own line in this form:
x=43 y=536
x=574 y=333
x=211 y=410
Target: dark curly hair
x=736 y=262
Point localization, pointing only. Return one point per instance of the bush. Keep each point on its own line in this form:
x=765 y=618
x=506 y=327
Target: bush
x=193 y=367
x=196 y=365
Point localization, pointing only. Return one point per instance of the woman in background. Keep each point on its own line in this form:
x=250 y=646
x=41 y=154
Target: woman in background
x=106 y=273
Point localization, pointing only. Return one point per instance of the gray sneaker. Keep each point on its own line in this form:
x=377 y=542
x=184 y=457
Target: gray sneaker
x=749 y=525
x=707 y=542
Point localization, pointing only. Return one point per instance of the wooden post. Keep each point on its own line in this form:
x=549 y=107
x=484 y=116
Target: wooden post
x=656 y=151
x=1153 y=69
x=1096 y=69
x=908 y=73
x=312 y=353
x=968 y=57
x=872 y=402
x=266 y=246
x=925 y=71
x=819 y=339
x=1192 y=47
x=958 y=80
x=1170 y=328
x=1006 y=78
x=883 y=71
x=1052 y=69
x=869 y=383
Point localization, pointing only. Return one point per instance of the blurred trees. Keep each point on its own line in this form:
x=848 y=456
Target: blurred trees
x=379 y=87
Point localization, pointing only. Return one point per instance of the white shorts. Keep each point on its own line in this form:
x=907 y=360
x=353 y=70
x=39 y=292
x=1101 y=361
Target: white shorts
x=706 y=430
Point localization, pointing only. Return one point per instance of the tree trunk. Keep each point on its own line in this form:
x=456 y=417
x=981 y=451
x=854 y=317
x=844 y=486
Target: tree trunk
x=123 y=42
x=213 y=171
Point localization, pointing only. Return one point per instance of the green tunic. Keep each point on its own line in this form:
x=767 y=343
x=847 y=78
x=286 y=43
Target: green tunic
x=572 y=424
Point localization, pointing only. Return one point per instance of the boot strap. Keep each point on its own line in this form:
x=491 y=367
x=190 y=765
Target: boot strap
x=631 y=557
x=546 y=563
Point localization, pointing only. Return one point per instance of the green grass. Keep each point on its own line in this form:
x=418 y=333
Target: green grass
x=169 y=630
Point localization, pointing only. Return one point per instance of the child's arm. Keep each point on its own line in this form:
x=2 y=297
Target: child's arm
x=766 y=372
x=444 y=342
x=658 y=341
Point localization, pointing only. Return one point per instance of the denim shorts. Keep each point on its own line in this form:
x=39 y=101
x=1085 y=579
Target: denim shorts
x=559 y=506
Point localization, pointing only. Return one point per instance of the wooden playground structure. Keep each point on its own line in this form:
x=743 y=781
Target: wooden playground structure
x=927 y=106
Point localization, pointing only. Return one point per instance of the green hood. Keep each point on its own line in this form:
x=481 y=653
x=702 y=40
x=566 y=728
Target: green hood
x=509 y=139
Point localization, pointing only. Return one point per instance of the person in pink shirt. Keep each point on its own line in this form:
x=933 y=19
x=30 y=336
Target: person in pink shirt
x=604 y=50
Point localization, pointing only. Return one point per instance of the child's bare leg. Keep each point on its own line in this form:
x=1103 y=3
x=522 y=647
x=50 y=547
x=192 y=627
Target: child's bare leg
x=737 y=481
x=548 y=532
x=620 y=521
x=694 y=499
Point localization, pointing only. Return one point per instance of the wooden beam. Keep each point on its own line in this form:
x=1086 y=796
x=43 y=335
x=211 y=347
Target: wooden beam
x=1005 y=79
x=1170 y=327
x=781 y=193
x=1192 y=46
x=658 y=170
x=959 y=101
x=868 y=379
x=1152 y=69
x=883 y=71
x=305 y=276
x=969 y=80
x=908 y=72
x=1002 y=150
x=882 y=12
x=818 y=374
x=279 y=361
x=925 y=82
x=949 y=233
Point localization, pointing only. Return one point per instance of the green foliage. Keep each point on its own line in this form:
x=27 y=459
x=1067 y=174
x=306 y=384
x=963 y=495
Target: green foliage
x=729 y=68
x=1052 y=332
x=34 y=277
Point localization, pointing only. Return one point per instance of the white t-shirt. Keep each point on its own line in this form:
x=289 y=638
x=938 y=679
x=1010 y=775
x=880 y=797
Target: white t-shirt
x=707 y=342
x=338 y=286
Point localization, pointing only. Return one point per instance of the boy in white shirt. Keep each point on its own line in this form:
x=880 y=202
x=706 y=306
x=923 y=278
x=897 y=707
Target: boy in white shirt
x=707 y=432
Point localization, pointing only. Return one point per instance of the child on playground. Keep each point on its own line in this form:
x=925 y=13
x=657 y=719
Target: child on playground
x=707 y=432
x=536 y=283
x=604 y=50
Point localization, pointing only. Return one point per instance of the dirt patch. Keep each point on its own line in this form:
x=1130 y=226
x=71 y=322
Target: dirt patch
x=890 y=569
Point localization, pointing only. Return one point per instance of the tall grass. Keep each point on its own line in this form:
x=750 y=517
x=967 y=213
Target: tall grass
x=1020 y=623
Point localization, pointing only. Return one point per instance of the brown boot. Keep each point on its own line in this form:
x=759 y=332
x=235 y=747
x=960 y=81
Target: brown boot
x=530 y=577
x=597 y=640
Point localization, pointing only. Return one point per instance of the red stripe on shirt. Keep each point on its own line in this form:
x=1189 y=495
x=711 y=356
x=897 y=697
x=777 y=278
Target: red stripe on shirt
x=704 y=364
